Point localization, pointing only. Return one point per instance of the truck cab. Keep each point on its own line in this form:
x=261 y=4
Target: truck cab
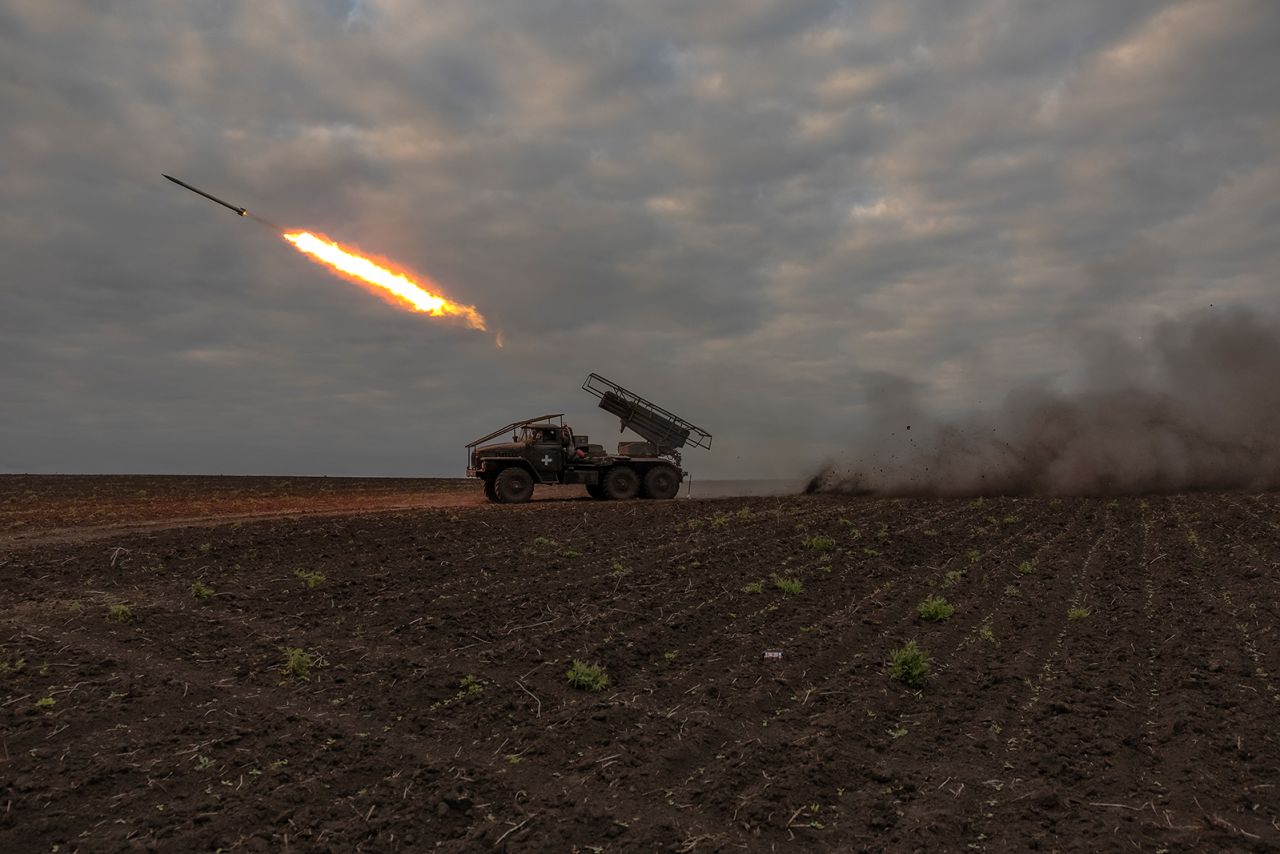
x=544 y=447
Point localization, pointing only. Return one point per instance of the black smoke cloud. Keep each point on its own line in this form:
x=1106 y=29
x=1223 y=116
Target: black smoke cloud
x=1193 y=406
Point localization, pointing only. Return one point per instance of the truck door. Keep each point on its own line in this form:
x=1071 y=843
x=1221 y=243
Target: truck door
x=548 y=457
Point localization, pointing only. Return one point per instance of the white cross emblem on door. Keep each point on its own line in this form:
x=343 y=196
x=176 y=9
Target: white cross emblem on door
x=546 y=460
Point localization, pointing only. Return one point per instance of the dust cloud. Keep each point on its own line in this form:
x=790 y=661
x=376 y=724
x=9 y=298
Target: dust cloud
x=1194 y=406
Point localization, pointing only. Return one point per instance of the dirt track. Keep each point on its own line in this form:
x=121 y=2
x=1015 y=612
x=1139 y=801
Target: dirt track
x=1147 y=723
x=68 y=508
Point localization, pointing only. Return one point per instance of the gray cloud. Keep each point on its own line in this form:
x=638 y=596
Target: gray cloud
x=752 y=211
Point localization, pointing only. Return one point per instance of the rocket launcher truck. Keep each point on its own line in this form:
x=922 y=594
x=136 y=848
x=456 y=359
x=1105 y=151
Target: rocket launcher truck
x=546 y=450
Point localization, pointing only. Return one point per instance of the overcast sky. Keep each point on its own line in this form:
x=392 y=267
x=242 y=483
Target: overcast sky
x=751 y=211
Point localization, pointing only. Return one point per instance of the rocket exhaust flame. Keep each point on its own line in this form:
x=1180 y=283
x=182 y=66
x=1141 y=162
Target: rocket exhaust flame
x=396 y=287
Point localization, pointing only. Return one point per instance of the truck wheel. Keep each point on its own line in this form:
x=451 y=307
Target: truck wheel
x=513 y=485
x=621 y=483
x=596 y=491
x=489 y=491
x=661 y=482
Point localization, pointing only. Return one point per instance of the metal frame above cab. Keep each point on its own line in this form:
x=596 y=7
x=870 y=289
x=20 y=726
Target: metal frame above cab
x=514 y=425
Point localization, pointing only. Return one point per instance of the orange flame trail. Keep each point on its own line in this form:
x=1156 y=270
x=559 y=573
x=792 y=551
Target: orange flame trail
x=395 y=287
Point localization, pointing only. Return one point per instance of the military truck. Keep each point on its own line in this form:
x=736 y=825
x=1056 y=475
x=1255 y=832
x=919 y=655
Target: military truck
x=546 y=450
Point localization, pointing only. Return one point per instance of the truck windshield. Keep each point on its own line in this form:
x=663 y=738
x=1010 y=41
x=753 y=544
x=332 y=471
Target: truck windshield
x=540 y=434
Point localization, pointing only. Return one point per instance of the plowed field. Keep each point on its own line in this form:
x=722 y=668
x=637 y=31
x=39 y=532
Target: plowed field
x=1109 y=678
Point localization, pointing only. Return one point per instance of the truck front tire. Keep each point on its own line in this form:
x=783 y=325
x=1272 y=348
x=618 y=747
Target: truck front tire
x=621 y=483
x=489 y=492
x=513 y=485
x=661 y=482
x=596 y=491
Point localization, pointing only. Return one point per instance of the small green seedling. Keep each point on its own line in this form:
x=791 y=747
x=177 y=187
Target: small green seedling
x=936 y=609
x=298 y=662
x=1027 y=567
x=909 y=664
x=8 y=667
x=1077 y=613
x=820 y=543
x=119 y=614
x=586 y=677
x=309 y=578
x=753 y=587
x=45 y=703
x=789 y=586
x=200 y=590
x=469 y=686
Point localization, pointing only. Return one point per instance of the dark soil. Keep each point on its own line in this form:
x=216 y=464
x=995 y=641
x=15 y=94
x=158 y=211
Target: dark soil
x=437 y=714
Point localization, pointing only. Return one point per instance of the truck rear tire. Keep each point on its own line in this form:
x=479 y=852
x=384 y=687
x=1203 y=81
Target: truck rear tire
x=513 y=485
x=489 y=492
x=621 y=483
x=662 y=482
x=596 y=491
